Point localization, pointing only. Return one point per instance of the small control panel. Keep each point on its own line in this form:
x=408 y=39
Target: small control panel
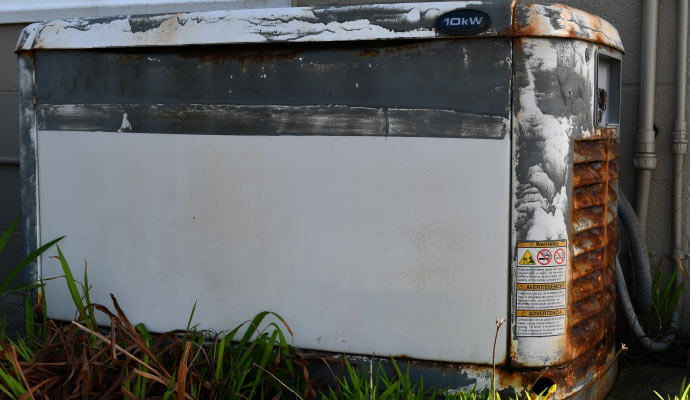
x=608 y=90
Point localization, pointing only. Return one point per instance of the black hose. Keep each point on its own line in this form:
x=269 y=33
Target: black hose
x=638 y=248
x=644 y=285
x=655 y=345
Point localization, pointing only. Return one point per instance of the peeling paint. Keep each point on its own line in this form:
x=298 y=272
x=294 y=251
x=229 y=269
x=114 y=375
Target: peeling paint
x=565 y=184
x=28 y=166
x=542 y=198
x=125 y=126
x=313 y=24
x=558 y=20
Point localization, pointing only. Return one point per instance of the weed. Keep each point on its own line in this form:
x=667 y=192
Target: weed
x=254 y=360
x=665 y=298
x=683 y=395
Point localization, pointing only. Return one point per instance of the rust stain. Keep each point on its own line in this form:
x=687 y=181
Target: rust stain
x=405 y=48
x=368 y=53
x=585 y=285
x=588 y=218
x=568 y=23
x=587 y=174
x=129 y=58
x=242 y=57
x=251 y=56
x=591 y=309
x=588 y=196
x=587 y=263
x=589 y=150
x=589 y=364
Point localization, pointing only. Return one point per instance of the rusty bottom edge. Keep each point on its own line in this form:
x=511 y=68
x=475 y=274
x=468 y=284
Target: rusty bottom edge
x=594 y=384
x=599 y=387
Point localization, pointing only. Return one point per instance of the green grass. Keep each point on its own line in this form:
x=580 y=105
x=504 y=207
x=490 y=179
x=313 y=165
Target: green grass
x=684 y=393
x=255 y=360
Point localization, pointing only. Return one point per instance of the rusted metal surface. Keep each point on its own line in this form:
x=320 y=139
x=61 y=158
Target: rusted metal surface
x=575 y=380
x=592 y=293
x=560 y=190
x=545 y=116
x=559 y=20
x=314 y=24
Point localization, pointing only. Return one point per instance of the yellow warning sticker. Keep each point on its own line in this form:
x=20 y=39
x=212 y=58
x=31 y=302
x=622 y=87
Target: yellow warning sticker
x=545 y=243
x=527 y=259
x=540 y=283
x=541 y=313
x=541 y=286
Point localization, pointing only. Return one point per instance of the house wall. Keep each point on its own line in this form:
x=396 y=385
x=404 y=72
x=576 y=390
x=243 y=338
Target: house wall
x=626 y=15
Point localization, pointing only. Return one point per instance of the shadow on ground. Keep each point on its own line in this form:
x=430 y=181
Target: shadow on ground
x=637 y=381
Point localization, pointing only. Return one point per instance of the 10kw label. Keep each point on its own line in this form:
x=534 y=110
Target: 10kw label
x=541 y=287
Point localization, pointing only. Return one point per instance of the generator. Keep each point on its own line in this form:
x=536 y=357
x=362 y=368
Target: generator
x=389 y=178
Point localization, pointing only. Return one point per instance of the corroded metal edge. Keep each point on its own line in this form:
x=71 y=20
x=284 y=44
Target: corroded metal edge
x=589 y=385
x=312 y=24
x=272 y=120
x=600 y=386
x=559 y=20
x=28 y=166
x=298 y=24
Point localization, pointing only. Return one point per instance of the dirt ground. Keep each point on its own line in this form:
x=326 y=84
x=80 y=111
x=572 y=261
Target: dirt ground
x=638 y=380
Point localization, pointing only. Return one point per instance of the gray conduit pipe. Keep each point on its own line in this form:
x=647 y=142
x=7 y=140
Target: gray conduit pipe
x=679 y=136
x=644 y=159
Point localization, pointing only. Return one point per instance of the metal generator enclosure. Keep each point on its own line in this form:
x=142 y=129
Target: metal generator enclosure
x=387 y=178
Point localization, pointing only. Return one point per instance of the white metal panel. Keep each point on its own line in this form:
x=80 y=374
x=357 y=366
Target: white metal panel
x=16 y=11
x=269 y=25
x=363 y=244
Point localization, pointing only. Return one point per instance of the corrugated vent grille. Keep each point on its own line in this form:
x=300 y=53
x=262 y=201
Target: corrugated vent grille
x=593 y=290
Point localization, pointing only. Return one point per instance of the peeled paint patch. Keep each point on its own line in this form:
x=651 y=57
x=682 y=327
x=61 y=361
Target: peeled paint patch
x=540 y=180
x=367 y=22
x=542 y=202
x=549 y=225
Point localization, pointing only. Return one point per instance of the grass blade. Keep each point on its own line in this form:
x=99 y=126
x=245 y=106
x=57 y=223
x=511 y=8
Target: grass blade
x=189 y=323
x=71 y=283
x=29 y=318
x=13 y=385
x=31 y=257
x=182 y=377
x=18 y=369
x=220 y=355
x=43 y=312
x=264 y=360
x=87 y=299
x=7 y=392
x=6 y=236
x=3 y=327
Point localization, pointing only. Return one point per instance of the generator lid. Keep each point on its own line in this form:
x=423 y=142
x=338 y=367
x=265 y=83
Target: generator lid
x=320 y=24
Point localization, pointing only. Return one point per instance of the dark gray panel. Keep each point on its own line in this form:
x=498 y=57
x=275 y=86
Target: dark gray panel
x=13 y=307
x=443 y=74
x=222 y=119
x=9 y=130
x=11 y=256
x=9 y=201
x=8 y=63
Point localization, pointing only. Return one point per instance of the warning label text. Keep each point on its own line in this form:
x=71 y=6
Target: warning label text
x=543 y=326
x=541 y=288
